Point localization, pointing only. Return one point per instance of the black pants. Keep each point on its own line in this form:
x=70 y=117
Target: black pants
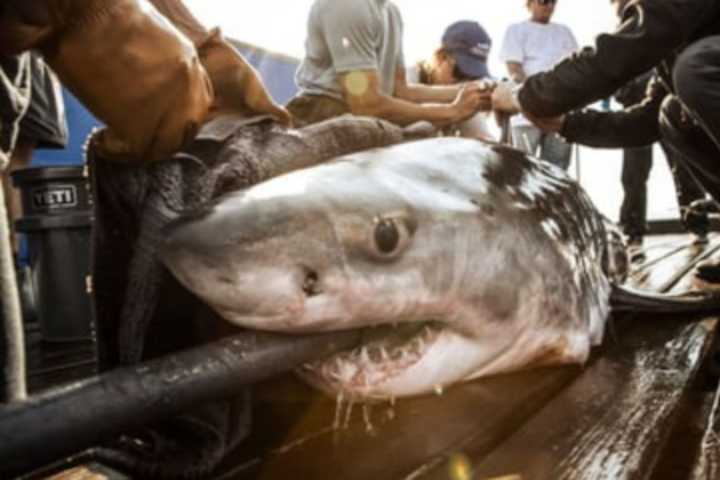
x=635 y=172
x=637 y=163
x=690 y=120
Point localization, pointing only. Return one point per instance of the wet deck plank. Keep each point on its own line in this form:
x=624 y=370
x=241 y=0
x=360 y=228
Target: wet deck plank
x=523 y=423
x=707 y=466
x=402 y=437
x=615 y=419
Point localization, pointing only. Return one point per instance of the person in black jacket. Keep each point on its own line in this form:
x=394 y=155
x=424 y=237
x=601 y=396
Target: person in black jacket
x=681 y=40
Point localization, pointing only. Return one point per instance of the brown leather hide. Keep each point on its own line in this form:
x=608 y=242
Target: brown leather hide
x=238 y=87
x=127 y=63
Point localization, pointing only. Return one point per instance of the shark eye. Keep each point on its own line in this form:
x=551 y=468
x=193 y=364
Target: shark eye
x=387 y=236
x=390 y=236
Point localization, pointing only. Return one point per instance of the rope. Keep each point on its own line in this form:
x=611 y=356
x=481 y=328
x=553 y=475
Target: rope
x=15 y=386
x=505 y=129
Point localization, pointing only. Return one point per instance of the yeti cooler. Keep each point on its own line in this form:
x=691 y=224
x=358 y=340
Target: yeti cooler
x=56 y=223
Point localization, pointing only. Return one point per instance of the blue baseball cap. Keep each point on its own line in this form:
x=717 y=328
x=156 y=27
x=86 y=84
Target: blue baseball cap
x=470 y=44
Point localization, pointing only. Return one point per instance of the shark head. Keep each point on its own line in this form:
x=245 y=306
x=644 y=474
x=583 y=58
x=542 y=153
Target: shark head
x=447 y=238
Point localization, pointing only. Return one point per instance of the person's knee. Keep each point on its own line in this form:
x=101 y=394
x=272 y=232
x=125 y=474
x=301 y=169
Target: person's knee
x=681 y=134
x=693 y=72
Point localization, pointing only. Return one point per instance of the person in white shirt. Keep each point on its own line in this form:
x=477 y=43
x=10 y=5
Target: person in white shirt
x=530 y=47
x=462 y=57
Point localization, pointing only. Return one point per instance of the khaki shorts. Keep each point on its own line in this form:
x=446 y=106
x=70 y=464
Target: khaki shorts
x=308 y=109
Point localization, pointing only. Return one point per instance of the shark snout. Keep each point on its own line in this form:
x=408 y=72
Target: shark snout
x=265 y=288
x=294 y=297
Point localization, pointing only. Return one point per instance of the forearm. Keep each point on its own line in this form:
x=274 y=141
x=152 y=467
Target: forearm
x=635 y=126
x=418 y=93
x=623 y=129
x=403 y=113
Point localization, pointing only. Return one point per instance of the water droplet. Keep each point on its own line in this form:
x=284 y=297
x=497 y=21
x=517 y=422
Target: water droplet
x=348 y=414
x=367 y=418
x=338 y=411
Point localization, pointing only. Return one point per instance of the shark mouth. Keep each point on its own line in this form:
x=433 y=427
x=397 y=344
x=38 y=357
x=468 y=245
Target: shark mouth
x=381 y=358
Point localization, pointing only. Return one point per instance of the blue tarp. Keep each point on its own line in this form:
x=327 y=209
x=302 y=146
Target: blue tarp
x=80 y=124
x=277 y=70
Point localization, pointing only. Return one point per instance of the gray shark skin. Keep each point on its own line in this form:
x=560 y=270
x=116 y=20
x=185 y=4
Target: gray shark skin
x=491 y=262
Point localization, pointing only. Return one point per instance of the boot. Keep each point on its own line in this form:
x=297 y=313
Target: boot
x=695 y=219
x=709 y=270
x=635 y=248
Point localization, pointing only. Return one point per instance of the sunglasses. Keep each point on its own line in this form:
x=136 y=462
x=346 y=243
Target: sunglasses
x=546 y=2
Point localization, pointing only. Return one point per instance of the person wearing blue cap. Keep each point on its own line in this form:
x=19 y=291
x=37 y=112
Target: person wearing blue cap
x=354 y=63
x=462 y=57
x=531 y=47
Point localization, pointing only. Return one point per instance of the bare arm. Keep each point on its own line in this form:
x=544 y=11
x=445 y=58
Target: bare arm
x=419 y=93
x=516 y=71
x=361 y=89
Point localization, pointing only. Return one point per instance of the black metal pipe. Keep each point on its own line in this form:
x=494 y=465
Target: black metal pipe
x=83 y=414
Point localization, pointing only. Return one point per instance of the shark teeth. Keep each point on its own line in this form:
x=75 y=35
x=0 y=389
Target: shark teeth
x=364 y=356
x=384 y=355
x=374 y=362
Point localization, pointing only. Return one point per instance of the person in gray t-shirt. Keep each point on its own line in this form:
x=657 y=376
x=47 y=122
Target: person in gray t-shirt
x=354 y=64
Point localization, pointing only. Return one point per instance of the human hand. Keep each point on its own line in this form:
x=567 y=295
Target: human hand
x=504 y=100
x=466 y=103
x=485 y=88
x=474 y=97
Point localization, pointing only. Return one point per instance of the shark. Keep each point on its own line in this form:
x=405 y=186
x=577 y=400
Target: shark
x=485 y=260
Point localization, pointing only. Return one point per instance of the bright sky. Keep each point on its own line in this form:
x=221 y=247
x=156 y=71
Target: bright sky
x=279 y=25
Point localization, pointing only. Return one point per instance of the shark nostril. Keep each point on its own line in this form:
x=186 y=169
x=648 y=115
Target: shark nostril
x=310 y=282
